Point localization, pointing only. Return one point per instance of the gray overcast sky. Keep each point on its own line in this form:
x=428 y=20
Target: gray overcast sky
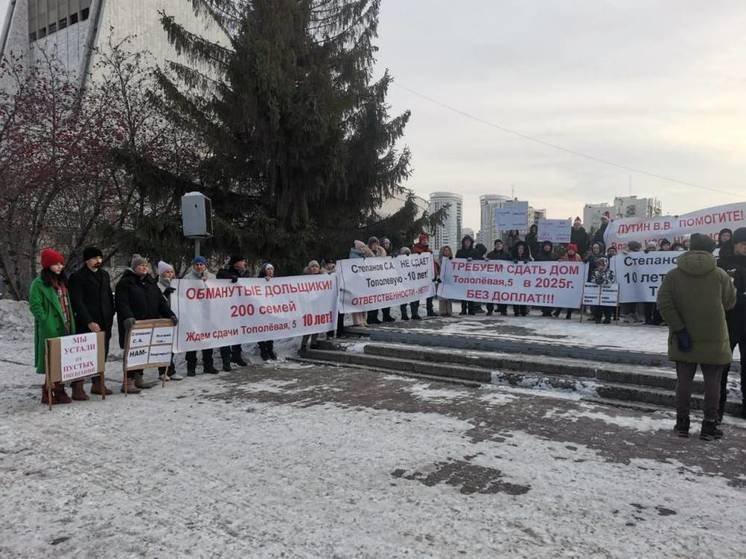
x=657 y=85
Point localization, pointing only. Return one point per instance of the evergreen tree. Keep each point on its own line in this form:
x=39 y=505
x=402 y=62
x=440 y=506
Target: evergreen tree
x=301 y=147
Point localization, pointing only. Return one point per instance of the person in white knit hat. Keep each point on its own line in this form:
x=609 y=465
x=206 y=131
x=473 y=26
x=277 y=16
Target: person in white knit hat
x=165 y=274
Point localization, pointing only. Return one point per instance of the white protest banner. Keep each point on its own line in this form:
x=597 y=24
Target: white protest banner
x=217 y=313
x=79 y=356
x=595 y=295
x=709 y=222
x=374 y=283
x=555 y=230
x=512 y=215
x=540 y=284
x=640 y=274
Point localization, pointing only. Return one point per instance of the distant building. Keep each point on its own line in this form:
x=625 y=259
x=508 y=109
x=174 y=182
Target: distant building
x=592 y=215
x=74 y=30
x=449 y=233
x=632 y=206
x=396 y=203
x=488 y=231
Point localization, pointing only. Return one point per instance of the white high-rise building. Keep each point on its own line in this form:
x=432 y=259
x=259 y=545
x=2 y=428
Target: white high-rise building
x=488 y=232
x=632 y=206
x=74 y=30
x=449 y=233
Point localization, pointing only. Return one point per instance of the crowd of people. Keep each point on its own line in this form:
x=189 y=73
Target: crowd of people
x=85 y=302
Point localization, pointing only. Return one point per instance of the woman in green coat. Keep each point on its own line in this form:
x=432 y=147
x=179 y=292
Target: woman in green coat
x=49 y=302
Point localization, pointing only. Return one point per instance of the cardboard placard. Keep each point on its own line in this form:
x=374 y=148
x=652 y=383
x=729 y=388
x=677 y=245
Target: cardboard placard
x=74 y=358
x=148 y=344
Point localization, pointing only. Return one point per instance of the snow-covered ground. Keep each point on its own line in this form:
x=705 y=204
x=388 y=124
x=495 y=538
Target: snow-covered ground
x=307 y=461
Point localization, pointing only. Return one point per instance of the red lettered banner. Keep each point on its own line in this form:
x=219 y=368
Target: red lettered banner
x=216 y=313
x=375 y=283
x=709 y=222
x=539 y=284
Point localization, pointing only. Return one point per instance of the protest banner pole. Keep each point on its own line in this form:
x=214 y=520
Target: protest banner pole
x=48 y=375
x=124 y=360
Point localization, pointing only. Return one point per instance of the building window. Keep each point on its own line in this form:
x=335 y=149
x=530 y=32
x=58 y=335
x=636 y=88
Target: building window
x=84 y=14
x=62 y=23
x=52 y=28
x=73 y=19
x=42 y=32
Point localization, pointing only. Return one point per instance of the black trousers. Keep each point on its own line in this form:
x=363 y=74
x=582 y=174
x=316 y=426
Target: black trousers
x=724 y=379
x=191 y=357
x=685 y=378
x=230 y=353
x=599 y=311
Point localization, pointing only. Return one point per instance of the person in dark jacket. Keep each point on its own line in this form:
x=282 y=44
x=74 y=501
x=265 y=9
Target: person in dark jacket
x=138 y=297
x=546 y=254
x=267 y=349
x=93 y=303
x=735 y=266
x=469 y=252
x=664 y=245
x=521 y=254
x=597 y=251
x=693 y=300
x=532 y=240
x=166 y=274
x=498 y=253
x=235 y=270
x=579 y=237
x=725 y=243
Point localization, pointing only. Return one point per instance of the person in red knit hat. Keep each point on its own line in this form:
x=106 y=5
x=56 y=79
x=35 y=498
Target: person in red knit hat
x=49 y=302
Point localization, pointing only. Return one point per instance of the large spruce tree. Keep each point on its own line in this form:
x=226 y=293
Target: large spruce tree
x=301 y=147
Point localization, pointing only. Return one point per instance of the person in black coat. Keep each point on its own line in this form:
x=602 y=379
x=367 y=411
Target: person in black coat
x=498 y=253
x=93 y=303
x=580 y=237
x=469 y=252
x=598 y=236
x=521 y=253
x=735 y=265
x=235 y=270
x=546 y=254
x=138 y=297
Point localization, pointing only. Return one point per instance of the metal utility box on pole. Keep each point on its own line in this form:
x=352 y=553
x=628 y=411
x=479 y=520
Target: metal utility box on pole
x=196 y=218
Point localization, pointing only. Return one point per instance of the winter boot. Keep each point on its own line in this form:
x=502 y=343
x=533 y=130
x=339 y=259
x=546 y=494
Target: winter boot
x=238 y=360
x=710 y=432
x=556 y=313
x=131 y=387
x=226 y=366
x=78 y=391
x=59 y=396
x=568 y=316
x=490 y=311
x=387 y=315
x=45 y=395
x=191 y=369
x=143 y=384
x=209 y=369
x=98 y=388
x=682 y=426
x=607 y=320
x=743 y=409
x=263 y=352
x=404 y=315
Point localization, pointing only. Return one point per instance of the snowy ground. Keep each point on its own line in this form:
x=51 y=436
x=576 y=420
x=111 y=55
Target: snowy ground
x=635 y=337
x=305 y=461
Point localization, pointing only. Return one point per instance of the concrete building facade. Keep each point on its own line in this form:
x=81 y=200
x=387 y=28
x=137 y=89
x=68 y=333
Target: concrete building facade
x=449 y=233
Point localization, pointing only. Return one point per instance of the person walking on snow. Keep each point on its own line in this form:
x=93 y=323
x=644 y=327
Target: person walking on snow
x=49 y=303
x=199 y=272
x=693 y=300
x=735 y=266
x=235 y=270
x=93 y=303
x=138 y=297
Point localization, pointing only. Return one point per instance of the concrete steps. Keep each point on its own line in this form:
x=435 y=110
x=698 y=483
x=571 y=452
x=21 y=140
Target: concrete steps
x=599 y=381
